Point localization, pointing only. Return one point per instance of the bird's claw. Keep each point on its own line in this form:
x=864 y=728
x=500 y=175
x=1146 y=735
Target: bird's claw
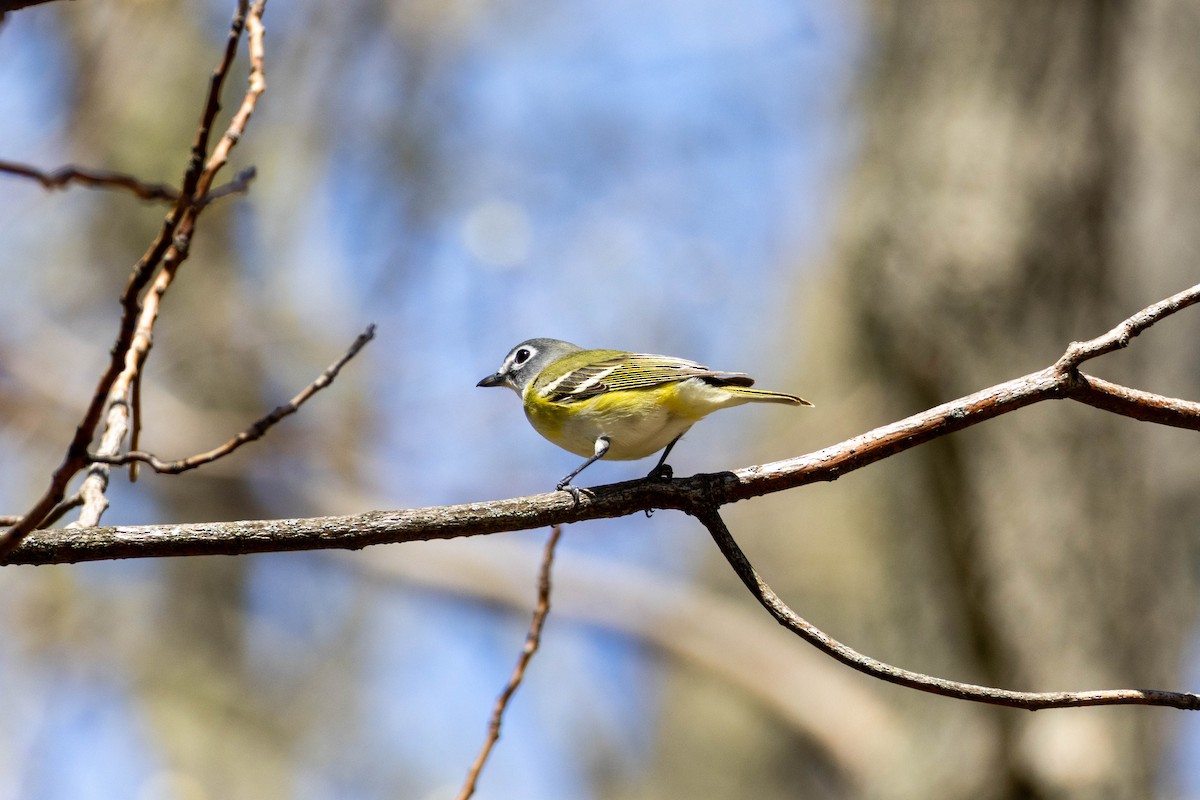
x=663 y=472
x=573 y=490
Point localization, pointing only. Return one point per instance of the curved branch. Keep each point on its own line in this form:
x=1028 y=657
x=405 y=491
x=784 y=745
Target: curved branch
x=94 y=178
x=250 y=434
x=1031 y=701
x=1120 y=336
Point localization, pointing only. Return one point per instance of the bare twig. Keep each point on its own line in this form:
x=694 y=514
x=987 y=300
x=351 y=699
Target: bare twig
x=251 y=433
x=1138 y=404
x=201 y=193
x=1120 y=336
x=139 y=311
x=845 y=717
x=74 y=501
x=239 y=185
x=94 y=178
x=532 y=640
x=105 y=179
x=249 y=17
x=1031 y=701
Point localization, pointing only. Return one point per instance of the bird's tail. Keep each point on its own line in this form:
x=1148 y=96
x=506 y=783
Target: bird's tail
x=763 y=396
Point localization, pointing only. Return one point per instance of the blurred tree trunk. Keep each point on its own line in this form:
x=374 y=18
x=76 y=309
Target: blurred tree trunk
x=1028 y=176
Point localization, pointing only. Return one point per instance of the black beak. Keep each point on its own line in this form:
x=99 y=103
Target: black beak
x=492 y=380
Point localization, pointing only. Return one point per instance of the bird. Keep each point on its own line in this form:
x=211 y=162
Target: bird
x=618 y=405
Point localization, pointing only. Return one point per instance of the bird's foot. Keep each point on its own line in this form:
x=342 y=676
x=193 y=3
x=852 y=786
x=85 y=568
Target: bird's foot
x=573 y=490
x=663 y=472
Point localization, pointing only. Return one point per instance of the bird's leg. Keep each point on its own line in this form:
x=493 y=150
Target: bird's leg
x=602 y=444
x=662 y=470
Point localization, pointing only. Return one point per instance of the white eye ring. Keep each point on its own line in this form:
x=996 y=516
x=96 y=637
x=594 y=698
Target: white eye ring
x=521 y=356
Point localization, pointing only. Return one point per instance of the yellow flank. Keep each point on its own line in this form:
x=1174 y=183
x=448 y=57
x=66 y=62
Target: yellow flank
x=638 y=422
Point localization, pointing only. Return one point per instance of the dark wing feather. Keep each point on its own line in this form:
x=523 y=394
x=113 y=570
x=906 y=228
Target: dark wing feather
x=631 y=371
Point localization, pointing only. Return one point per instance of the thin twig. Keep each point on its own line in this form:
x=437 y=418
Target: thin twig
x=257 y=85
x=168 y=250
x=135 y=420
x=249 y=17
x=105 y=179
x=74 y=501
x=239 y=185
x=1120 y=336
x=532 y=640
x=251 y=433
x=1031 y=701
x=93 y=178
x=1137 y=404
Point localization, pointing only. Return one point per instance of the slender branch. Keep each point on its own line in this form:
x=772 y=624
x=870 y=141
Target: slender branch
x=257 y=85
x=104 y=179
x=239 y=185
x=1049 y=384
x=251 y=433
x=1120 y=336
x=532 y=640
x=138 y=312
x=1137 y=404
x=249 y=17
x=94 y=178
x=57 y=513
x=1031 y=701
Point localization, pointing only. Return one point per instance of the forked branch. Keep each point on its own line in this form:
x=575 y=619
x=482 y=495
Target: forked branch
x=250 y=434
x=148 y=280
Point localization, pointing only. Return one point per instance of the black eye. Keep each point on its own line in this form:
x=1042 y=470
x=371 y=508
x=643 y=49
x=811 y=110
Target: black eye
x=521 y=356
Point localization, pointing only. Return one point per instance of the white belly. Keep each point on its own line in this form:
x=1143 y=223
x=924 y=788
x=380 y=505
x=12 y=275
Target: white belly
x=630 y=436
x=636 y=427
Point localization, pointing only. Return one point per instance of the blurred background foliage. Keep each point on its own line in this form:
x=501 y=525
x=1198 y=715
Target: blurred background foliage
x=879 y=206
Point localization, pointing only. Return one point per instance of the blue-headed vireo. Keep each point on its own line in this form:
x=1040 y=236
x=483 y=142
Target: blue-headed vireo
x=618 y=405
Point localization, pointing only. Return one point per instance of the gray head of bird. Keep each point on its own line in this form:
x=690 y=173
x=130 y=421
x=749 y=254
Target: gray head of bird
x=526 y=361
